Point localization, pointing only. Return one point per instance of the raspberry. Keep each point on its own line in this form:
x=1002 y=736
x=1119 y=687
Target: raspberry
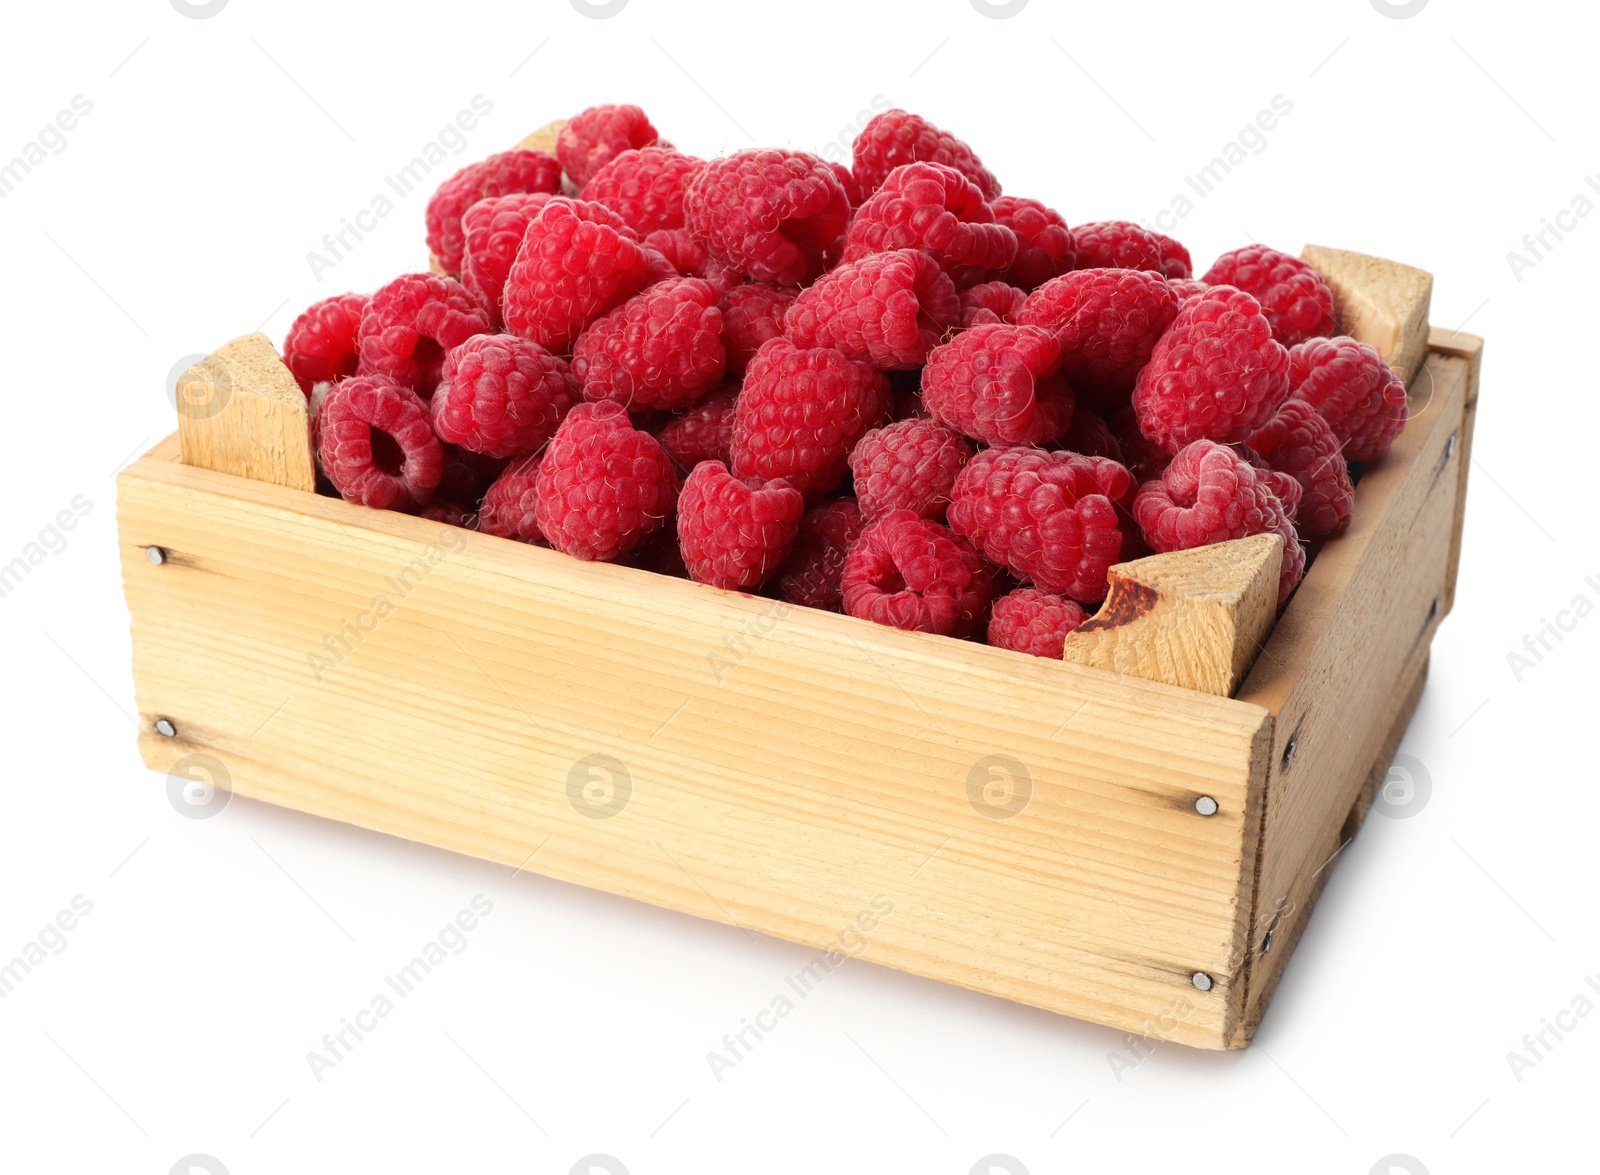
x=1354 y=390
x=1186 y=287
x=775 y=215
x=847 y=180
x=888 y=309
x=687 y=257
x=1216 y=374
x=1293 y=296
x=812 y=575
x=510 y=507
x=576 y=261
x=409 y=325
x=736 y=532
x=498 y=175
x=1142 y=456
x=1044 y=243
x=935 y=208
x=1049 y=518
x=1176 y=264
x=603 y=486
x=1030 y=621
x=501 y=396
x=800 y=413
x=910 y=465
x=895 y=138
x=645 y=187
x=493 y=229
x=703 y=433
x=1298 y=442
x=321 y=344
x=467 y=475
x=910 y=572
x=752 y=314
x=1209 y=494
x=1108 y=322
x=1115 y=244
x=660 y=349
x=1091 y=436
x=374 y=443
x=1001 y=384
x=991 y=302
x=660 y=554
x=595 y=137
x=450 y=513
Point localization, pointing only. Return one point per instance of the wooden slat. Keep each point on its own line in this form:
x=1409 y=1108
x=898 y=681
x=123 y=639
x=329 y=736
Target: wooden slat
x=1470 y=349
x=240 y=411
x=1382 y=303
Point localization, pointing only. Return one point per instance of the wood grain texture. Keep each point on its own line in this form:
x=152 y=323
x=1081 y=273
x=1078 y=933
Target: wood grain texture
x=1470 y=349
x=240 y=411
x=1194 y=619
x=1382 y=303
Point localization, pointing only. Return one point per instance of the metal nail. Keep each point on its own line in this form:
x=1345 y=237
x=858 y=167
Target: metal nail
x=165 y=728
x=156 y=555
x=1206 y=806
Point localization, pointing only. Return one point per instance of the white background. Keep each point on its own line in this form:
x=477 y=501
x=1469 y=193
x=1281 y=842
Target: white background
x=218 y=952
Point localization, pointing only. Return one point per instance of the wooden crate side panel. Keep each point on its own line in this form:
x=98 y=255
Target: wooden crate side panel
x=1470 y=349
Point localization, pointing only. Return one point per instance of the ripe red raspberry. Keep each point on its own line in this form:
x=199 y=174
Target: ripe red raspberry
x=935 y=208
x=1001 y=384
x=1115 y=244
x=910 y=465
x=596 y=136
x=991 y=302
x=736 y=532
x=1144 y=458
x=1354 y=390
x=493 y=229
x=645 y=187
x=1298 y=442
x=910 y=572
x=1034 y=622
x=1210 y=494
x=1044 y=242
x=752 y=314
x=702 y=433
x=895 y=138
x=775 y=215
x=1176 y=264
x=662 y=348
x=1293 y=296
x=812 y=575
x=1186 y=287
x=847 y=180
x=450 y=513
x=321 y=344
x=498 y=175
x=1091 y=436
x=375 y=444
x=1217 y=373
x=687 y=257
x=888 y=309
x=1049 y=518
x=576 y=261
x=1108 y=322
x=511 y=506
x=800 y=413
x=409 y=325
x=603 y=486
x=501 y=396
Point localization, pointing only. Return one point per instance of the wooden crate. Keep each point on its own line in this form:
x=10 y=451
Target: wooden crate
x=1034 y=830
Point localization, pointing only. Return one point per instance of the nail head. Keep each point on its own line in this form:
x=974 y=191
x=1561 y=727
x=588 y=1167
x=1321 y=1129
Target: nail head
x=165 y=728
x=156 y=555
x=1206 y=806
x=1289 y=749
x=1201 y=980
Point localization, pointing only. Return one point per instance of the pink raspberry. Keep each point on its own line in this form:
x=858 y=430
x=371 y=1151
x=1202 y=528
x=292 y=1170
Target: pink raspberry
x=1354 y=390
x=576 y=261
x=1209 y=494
x=1298 y=442
x=910 y=572
x=662 y=348
x=910 y=465
x=596 y=136
x=888 y=309
x=736 y=532
x=1108 y=322
x=800 y=413
x=1034 y=622
x=1144 y=458
x=991 y=302
x=645 y=187
x=812 y=575
x=1001 y=384
x=409 y=325
x=1044 y=243
x=847 y=180
x=1217 y=374
x=498 y=175
x=752 y=314
x=937 y=209
x=603 y=486
x=511 y=506
x=374 y=443
x=501 y=396
x=1186 y=287
x=493 y=229
x=1116 y=244
x=704 y=432
x=321 y=344
x=687 y=257
x=895 y=138
x=1050 y=518
x=775 y=215
x=1293 y=296
x=1176 y=264
x=1091 y=436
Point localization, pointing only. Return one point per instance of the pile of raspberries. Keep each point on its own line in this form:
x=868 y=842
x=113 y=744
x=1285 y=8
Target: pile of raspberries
x=886 y=389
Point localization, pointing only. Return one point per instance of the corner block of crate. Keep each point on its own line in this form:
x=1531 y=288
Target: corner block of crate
x=543 y=139
x=240 y=411
x=1382 y=303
